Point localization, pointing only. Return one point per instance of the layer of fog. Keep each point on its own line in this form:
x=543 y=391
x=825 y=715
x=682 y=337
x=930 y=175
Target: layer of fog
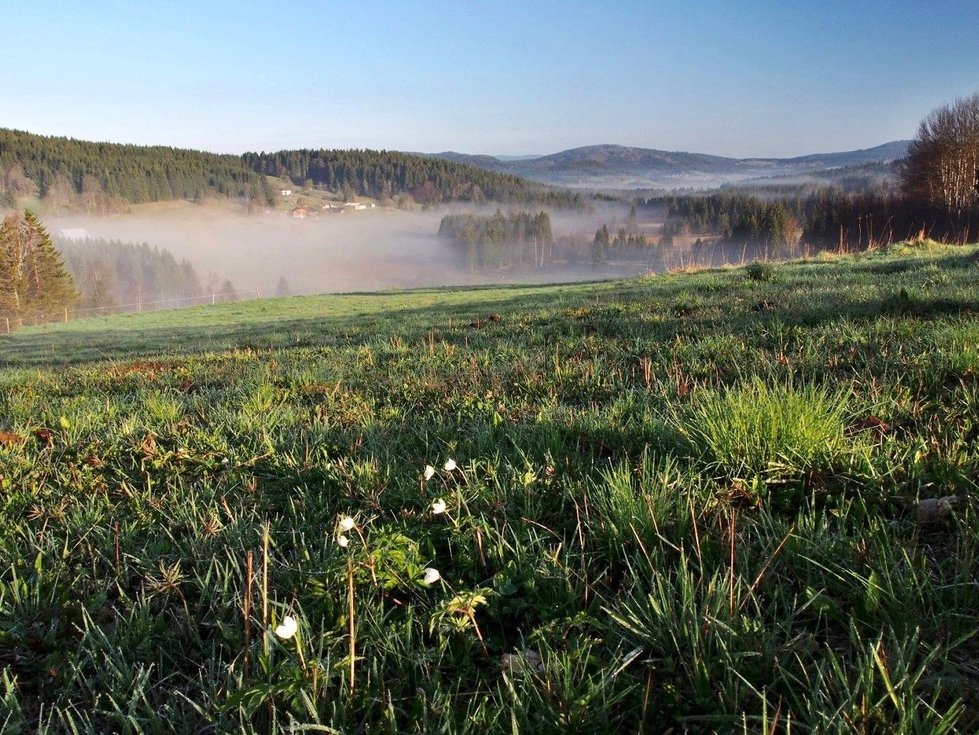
x=630 y=181
x=356 y=251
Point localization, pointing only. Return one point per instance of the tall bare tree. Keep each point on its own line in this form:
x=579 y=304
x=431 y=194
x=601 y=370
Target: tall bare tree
x=942 y=167
x=61 y=192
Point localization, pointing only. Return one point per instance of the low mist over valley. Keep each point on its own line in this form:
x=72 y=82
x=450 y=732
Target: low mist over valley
x=377 y=248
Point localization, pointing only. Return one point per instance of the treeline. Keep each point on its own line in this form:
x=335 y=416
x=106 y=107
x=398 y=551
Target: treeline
x=98 y=176
x=628 y=241
x=501 y=240
x=826 y=219
x=110 y=275
x=733 y=217
x=387 y=175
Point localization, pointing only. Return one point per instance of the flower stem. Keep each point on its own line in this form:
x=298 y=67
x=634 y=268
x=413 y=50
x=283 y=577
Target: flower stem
x=353 y=630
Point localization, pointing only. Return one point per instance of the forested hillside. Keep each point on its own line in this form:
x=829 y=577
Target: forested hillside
x=388 y=174
x=65 y=172
x=99 y=177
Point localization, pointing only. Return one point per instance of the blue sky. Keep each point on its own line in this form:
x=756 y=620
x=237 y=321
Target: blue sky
x=738 y=78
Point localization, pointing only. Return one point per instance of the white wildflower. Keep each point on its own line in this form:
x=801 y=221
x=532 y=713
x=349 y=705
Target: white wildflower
x=343 y=541
x=287 y=628
x=347 y=523
x=450 y=464
x=438 y=507
x=431 y=576
x=429 y=472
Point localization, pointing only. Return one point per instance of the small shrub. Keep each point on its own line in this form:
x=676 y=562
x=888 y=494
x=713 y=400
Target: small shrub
x=761 y=271
x=898 y=304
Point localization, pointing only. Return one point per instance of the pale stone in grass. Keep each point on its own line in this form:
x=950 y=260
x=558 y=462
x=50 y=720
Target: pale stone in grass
x=932 y=510
x=518 y=663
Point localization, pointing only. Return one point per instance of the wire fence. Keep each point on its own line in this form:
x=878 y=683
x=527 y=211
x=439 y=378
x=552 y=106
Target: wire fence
x=10 y=323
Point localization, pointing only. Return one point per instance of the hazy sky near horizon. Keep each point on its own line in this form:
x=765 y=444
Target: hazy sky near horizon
x=735 y=78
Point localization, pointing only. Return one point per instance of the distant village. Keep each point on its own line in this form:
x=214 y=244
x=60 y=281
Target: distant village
x=307 y=211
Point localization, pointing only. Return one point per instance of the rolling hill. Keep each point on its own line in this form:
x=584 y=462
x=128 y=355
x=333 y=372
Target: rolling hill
x=101 y=177
x=622 y=166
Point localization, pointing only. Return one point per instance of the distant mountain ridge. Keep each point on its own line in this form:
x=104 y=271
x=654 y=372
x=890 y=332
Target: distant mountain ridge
x=98 y=176
x=617 y=165
x=883 y=153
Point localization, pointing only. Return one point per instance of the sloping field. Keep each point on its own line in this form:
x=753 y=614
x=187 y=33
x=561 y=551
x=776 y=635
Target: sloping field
x=739 y=500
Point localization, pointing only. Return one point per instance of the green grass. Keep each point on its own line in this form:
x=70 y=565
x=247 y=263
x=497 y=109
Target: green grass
x=764 y=431
x=681 y=502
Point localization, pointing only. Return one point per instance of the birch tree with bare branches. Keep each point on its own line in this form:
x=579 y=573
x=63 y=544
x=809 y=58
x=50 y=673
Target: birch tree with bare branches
x=942 y=167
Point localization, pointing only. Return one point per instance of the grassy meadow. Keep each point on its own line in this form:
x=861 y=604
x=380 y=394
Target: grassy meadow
x=740 y=500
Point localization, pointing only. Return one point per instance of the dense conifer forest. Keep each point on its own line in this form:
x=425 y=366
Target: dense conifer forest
x=389 y=174
x=97 y=176
x=825 y=218
x=100 y=177
x=502 y=240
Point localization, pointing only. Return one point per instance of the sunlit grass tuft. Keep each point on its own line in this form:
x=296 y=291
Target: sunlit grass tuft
x=766 y=430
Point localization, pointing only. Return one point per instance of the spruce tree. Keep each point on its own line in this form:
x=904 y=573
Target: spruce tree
x=11 y=269
x=55 y=288
x=34 y=283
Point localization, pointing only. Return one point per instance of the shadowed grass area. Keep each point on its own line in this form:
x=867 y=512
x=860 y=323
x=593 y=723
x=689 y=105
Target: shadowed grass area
x=687 y=502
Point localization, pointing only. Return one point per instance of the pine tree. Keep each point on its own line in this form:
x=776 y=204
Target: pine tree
x=600 y=246
x=543 y=238
x=227 y=293
x=34 y=283
x=11 y=269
